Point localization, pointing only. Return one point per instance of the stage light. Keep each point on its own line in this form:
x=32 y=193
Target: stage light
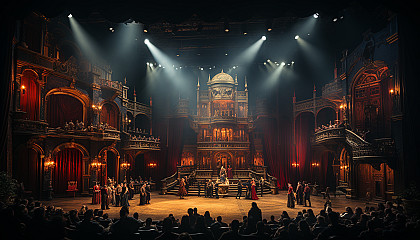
x=268 y=60
x=226 y=26
x=245 y=33
x=160 y=65
x=296 y=37
x=226 y=54
x=146 y=41
x=111 y=29
x=264 y=38
x=70 y=16
x=283 y=63
x=269 y=29
x=316 y=15
x=145 y=28
x=293 y=62
x=335 y=19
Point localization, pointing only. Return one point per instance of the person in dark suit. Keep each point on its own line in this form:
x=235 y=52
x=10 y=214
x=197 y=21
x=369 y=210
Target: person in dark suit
x=238 y=195
x=307 y=193
x=104 y=198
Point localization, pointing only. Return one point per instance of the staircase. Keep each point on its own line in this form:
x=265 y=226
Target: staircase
x=170 y=185
x=233 y=189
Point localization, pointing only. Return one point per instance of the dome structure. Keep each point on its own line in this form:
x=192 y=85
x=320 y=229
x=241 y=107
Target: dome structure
x=222 y=78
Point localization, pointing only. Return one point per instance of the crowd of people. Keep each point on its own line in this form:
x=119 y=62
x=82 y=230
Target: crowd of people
x=117 y=194
x=302 y=196
x=29 y=219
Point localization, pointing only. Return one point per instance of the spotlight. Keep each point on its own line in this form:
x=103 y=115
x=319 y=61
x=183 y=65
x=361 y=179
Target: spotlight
x=146 y=41
x=111 y=29
x=296 y=37
x=226 y=26
x=264 y=38
x=335 y=19
x=269 y=25
x=265 y=63
x=283 y=63
x=70 y=16
x=293 y=62
x=269 y=29
x=145 y=28
x=226 y=54
x=316 y=15
x=268 y=60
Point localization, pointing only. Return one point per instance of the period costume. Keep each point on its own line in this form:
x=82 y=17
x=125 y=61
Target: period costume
x=148 y=193
x=229 y=173
x=142 y=195
x=182 y=191
x=299 y=194
x=238 y=195
x=290 y=197
x=104 y=198
x=253 y=191
x=124 y=196
x=96 y=199
x=307 y=193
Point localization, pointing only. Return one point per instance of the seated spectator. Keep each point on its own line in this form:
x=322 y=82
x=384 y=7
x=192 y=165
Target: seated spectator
x=126 y=226
x=208 y=219
x=148 y=225
x=167 y=230
x=261 y=234
x=185 y=225
x=200 y=227
x=88 y=228
x=233 y=233
x=272 y=220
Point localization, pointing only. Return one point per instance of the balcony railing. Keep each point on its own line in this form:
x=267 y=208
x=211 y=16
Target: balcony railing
x=109 y=83
x=29 y=126
x=223 y=145
x=142 y=143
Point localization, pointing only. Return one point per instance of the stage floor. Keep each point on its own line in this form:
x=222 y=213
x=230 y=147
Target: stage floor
x=229 y=208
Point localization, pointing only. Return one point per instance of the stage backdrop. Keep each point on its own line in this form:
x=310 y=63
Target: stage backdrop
x=68 y=167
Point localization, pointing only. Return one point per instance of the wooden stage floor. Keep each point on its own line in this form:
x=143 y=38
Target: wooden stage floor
x=229 y=208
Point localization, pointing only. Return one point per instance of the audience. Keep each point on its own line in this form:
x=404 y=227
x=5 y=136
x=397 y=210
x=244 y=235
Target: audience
x=28 y=219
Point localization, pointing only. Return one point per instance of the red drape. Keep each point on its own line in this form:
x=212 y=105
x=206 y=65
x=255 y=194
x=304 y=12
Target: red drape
x=304 y=128
x=29 y=97
x=109 y=114
x=285 y=151
x=63 y=108
x=68 y=167
x=175 y=143
x=270 y=132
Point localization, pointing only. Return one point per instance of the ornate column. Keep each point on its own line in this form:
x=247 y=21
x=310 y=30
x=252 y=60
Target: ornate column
x=42 y=92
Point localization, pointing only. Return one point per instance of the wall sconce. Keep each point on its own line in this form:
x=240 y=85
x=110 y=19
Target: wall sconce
x=315 y=164
x=391 y=91
x=96 y=107
x=152 y=165
x=125 y=166
x=95 y=164
x=295 y=164
x=23 y=89
x=344 y=167
x=49 y=164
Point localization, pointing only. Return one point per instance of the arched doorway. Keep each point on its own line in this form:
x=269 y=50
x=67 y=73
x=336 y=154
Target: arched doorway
x=29 y=95
x=371 y=99
x=27 y=168
x=110 y=114
x=325 y=116
x=223 y=159
x=344 y=169
x=68 y=167
x=110 y=157
x=63 y=108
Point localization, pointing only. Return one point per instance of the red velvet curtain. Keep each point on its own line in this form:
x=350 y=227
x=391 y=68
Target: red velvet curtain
x=63 y=108
x=68 y=167
x=175 y=143
x=109 y=114
x=270 y=132
x=285 y=151
x=304 y=129
x=29 y=97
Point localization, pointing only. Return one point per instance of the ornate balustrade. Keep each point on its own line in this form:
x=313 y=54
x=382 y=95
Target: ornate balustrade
x=29 y=126
x=361 y=149
x=230 y=119
x=223 y=145
x=109 y=83
x=85 y=133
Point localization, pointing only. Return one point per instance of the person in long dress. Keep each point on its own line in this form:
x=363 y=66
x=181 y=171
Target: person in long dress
x=253 y=190
x=148 y=192
x=124 y=196
x=182 y=191
x=96 y=199
x=142 y=194
x=229 y=172
x=290 y=197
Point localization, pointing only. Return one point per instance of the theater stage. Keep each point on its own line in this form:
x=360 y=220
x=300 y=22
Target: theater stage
x=229 y=208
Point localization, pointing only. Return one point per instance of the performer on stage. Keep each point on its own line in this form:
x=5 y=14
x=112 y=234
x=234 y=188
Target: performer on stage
x=96 y=199
x=216 y=188
x=248 y=189
x=238 y=195
x=209 y=189
x=307 y=192
x=299 y=194
x=148 y=192
x=253 y=190
x=262 y=185
x=124 y=196
x=118 y=190
x=104 y=198
x=290 y=197
x=143 y=194
x=229 y=172
x=182 y=191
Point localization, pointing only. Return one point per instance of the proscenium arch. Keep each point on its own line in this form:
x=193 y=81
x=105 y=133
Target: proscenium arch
x=83 y=98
